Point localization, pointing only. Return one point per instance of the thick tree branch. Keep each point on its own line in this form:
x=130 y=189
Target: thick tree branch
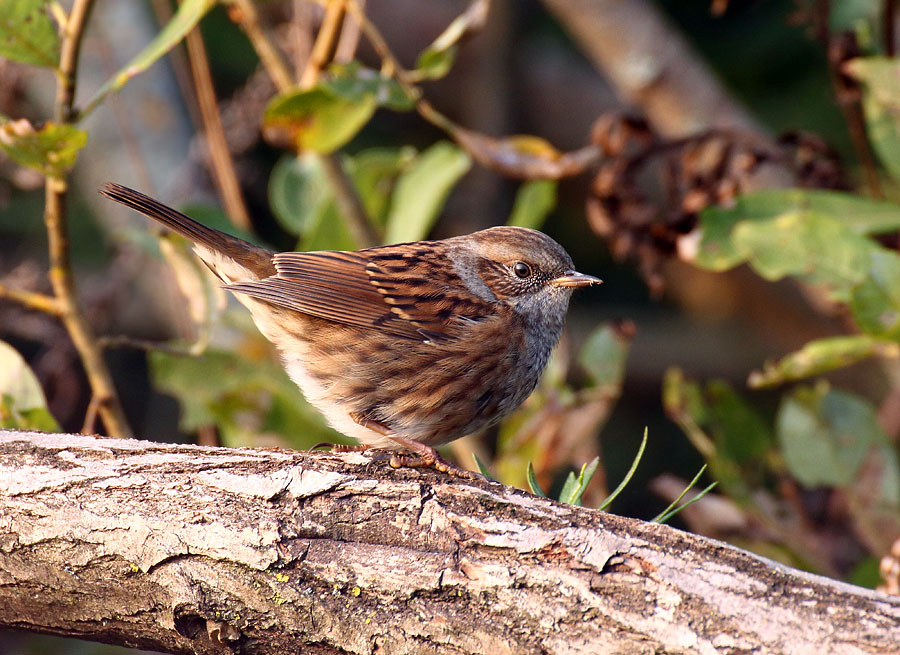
x=213 y=550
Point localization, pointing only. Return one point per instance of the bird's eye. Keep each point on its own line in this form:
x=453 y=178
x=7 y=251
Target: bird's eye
x=522 y=270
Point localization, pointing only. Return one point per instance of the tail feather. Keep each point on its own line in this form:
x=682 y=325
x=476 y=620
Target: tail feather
x=256 y=259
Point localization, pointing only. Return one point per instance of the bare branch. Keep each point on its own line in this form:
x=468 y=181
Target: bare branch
x=220 y=159
x=31 y=299
x=61 y=277
x=191 y=549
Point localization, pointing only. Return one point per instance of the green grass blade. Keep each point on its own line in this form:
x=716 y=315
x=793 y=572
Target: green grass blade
x=584 y=478
x=568 y=490
x=533 y=483
x=668 y=515
x=674 y=503
x=624 y=483
x=482 y=468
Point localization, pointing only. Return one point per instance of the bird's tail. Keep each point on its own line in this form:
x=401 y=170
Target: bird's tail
x=257 y=260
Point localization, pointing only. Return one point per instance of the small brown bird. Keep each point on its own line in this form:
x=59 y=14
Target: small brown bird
x=410 y=345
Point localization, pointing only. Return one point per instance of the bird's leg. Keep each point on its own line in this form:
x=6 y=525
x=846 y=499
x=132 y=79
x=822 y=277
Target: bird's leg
x=425 y=456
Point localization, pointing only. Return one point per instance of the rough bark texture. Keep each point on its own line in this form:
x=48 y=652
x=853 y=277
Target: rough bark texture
x=214 y=550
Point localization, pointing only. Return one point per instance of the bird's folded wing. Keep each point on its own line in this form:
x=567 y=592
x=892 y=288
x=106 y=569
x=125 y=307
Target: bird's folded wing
x=380 y=288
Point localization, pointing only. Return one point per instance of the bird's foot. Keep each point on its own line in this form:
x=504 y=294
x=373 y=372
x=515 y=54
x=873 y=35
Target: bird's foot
x=427 y=457
x=423 y=456
x=340 y=447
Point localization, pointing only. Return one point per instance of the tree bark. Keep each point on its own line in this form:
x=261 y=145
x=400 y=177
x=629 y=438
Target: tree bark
x=190 y=549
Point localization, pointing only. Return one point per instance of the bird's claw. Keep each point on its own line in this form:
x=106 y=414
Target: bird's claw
x=428 y=460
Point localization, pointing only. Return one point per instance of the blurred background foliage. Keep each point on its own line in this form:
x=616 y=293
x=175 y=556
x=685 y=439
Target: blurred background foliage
x=729 y=167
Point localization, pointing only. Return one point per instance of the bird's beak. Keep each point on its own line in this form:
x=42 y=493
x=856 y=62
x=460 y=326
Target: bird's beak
x=575 y=279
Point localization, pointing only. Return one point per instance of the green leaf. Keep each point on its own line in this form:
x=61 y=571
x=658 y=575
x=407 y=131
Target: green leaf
x=814 y=247
x=318 y=119
x=185 y=19
x=326 y=117
x=865 y=573
x=825 y=435
x=574 y=488
x=821 y=356
x=533 y=483
x=303 y=201
x=375 y=173
x=329 y=232
x=717 y=250
x=482 y=468
x=876 y=302
x=568 y=488
x=624 y=483
x=720 y=424
x=603 y=356
x=52 y=150
x=535 y=199
x=299 y=192
x=421 y=191
x=22 y=402
x=887 y=494
x=436 y=60
x=357 y=84
x=434 y=64
x=683 y=403
x=848 y=15
x=880 y=78
x=740 y=433
x=27 y=34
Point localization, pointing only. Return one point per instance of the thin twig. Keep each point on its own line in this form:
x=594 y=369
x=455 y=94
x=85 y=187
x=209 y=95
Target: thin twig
x=889 y=27
x=436 y=118
x=349 y=40
x=90 y=416
x=840 y=47
x=123 y=119
x=326 y=43
x=392 y=68
x=31 y=300
x=248 y=19
x=301 y=34
x=348 y=202
x=61 y=277
x=179 y=62
x=220 y=157
x=207 y=435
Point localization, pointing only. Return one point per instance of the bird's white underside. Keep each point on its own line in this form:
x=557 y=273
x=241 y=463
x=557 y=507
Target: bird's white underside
x=314 y=391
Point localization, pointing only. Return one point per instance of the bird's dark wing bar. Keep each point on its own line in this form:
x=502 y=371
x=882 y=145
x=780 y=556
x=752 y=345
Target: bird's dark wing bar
x=330 y=285
x=403 y=294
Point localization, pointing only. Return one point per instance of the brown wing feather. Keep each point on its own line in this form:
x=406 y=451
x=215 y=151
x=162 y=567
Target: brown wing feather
x=406 y=291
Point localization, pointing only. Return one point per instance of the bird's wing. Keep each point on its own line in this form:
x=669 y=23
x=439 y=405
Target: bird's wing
x=405 y=291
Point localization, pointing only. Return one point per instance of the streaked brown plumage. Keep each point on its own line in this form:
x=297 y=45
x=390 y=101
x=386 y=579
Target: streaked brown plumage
x=413 y=344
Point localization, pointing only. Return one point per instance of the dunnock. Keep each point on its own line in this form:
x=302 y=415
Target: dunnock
x=410 y=345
